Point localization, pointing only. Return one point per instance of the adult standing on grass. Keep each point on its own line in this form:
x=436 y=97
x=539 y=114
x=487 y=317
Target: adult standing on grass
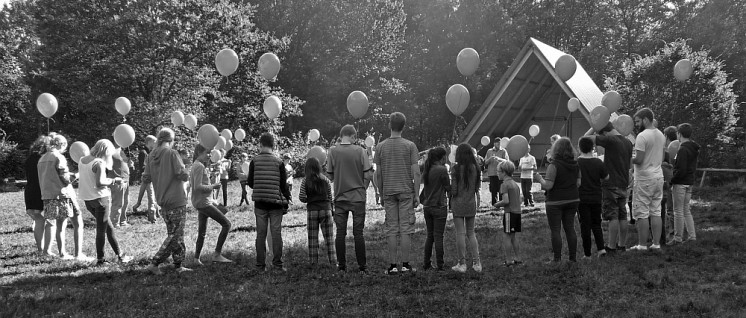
x=94 y=191
x=437 y=186
x=671 y=134
x=120 y=192
x=527 y=165
x=494 y=156
x=60 y=200
x=267 y=177
x=617 y=161
x=685 y=165
x=32 y=197
x=648 y=175
x=399 y=176
x=206 y=208
x=466 y=180
x=592 y=173
x=153 y=208
x=165 y=170
x=350 y=170
x=316 y=192
x=561 y=183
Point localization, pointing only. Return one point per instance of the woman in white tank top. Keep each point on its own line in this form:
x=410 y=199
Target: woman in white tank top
x=94 y=190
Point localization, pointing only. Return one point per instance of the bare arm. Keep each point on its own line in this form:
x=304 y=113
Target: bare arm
x=639 y=157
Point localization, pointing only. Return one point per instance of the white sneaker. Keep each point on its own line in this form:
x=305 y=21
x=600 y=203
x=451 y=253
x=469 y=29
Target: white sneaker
x=84 y=258
x=639 y=248
x=656 y=247
x=183 y=269
x=461 y=268
x=67 y=257
x=477 y=266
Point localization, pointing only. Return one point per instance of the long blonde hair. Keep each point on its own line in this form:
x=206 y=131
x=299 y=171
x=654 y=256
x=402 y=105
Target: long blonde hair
x=104 y=149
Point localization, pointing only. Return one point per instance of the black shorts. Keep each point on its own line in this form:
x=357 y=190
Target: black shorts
x=512 y=222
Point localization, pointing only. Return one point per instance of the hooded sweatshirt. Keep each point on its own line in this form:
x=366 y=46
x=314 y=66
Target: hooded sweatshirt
x=165 y=169
x=685 y=163
x=565 y=187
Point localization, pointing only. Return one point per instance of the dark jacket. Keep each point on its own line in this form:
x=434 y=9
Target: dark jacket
x=437 y=186
x=267 y=176
x=565 y=181
x=685 y=163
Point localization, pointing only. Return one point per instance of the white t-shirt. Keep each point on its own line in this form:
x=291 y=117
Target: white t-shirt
x=527 y=165
x=652 y=142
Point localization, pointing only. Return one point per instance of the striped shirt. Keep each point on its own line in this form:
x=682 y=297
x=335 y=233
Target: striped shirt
x=395 y=157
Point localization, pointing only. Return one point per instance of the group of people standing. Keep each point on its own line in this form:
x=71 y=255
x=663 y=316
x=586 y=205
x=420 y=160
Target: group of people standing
x=334 y=190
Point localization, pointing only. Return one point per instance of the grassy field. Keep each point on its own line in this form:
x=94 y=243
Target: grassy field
x=702 y=278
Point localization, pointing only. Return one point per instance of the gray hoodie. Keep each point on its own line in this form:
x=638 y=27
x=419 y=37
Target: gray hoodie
x=165 y=169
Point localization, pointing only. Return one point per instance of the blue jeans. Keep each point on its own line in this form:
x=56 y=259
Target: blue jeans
x=563 y=217
x=341 y=214
x=274 y=219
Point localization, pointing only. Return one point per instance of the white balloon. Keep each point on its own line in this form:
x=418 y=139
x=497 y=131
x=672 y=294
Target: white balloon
x=226 y=61
x=46 y=104
x=190 y=121
x=272 y=107
x=240 y=134
x=314 y=135
x=268 y=65
x=467 y=61
x=370 y=141
x=123 y=105
x=485 y=141
x=534 y=130
x=177 y=118
x=227 y=134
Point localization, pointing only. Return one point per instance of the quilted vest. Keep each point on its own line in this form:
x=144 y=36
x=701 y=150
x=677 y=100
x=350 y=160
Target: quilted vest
x=267 y=179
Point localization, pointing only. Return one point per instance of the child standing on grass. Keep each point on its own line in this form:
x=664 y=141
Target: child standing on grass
x=165 y=170
x=94 y=190
x=592 y=172
x=32 y=197
x=464 y=198
x=316 y=192
x=60 y=200
x=511 y=200
x=120 y=192
x=433 y=197
x=242 y=176
x=206 y=208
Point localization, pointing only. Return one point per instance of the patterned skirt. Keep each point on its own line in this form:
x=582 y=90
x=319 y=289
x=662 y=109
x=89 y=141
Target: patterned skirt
x=60 y=208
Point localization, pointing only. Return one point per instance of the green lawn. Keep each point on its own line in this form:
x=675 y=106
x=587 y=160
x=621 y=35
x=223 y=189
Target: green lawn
x=702 y=278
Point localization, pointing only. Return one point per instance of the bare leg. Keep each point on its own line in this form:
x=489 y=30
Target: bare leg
x=643 y=231
x=78 y=234
x=657 y=225
x=61 y=227
x=614 y=233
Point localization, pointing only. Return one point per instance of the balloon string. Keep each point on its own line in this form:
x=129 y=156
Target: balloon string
x=47 y=125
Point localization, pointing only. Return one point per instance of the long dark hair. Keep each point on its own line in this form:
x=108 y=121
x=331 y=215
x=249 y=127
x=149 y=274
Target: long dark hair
x=434 y=155
x=313 y=175
x=465 y=159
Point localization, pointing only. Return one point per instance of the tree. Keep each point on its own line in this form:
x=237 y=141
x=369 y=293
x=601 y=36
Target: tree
x=158 y=53
x=706 y=100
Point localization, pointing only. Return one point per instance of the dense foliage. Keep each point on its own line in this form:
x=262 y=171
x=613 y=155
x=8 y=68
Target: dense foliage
x=401 y=53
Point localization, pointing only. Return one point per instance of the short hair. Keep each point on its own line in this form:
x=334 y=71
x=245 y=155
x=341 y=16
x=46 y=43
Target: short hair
x=348 y=131
x=645 y=113
x=397 y=121
x=199 y=149
x=165 y=135
x=507 y=167
x=685 y=130
x=267 y=140
x=57 y=141
x=103 y=148
x=609 y=127
x=585 y=144
x=496 y=140
x=670 y=133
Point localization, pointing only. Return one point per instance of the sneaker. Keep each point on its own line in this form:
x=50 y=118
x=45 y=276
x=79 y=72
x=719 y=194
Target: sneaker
x=655 y=247
x=182 y=269
x=477 y=266
x=673 y=242
x=67 y=257
x=638 y=248
x=601 y=253
x=154 y=269
x=517 y=262
x=461 y=268
x=197 y=262
x=408 y=269
x=218 y=258
x=392 y=271
x=586 y=258
x=531 y=205
x=124 y=258
x=84 y=258
x=279 y=269
x=102 y=262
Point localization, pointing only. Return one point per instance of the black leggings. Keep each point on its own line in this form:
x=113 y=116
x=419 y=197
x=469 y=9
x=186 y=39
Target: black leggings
x=224 y=185
x=216 y=213
x=101 y=209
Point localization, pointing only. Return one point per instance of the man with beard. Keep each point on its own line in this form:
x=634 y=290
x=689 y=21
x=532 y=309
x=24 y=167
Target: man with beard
x=648 y=185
